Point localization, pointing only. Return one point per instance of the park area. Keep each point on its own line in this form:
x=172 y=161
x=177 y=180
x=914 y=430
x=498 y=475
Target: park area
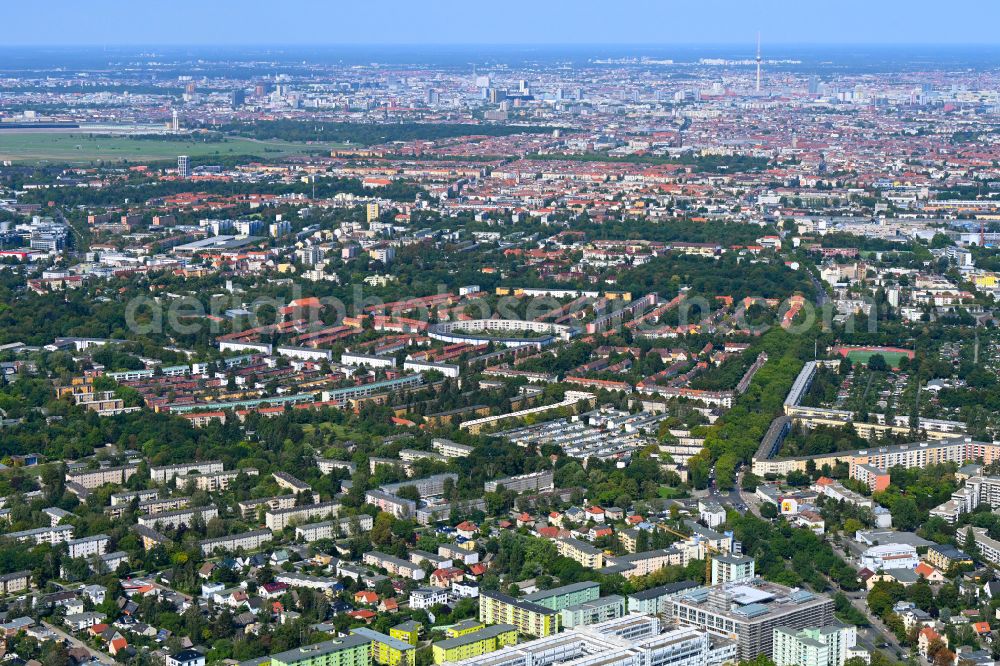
x=84 y=148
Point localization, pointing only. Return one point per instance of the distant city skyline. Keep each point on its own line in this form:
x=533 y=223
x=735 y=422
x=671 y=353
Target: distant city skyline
x=517 y=22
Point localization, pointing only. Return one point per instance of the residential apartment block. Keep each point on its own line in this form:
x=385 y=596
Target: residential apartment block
x=394 y=565
x=247 y=541
x=280 y=519
x=450 y=449
x=529 y=618
x=175 y=519
x=587 y=555
x=485 y=640
x=334 y=529
x=214 y=481
x=533 y=482
x=50 y=535
x=352 y=650
x=94 y=478
x=88 y=546
x=388 y=650
x=559 y=598
x=593 y=612
x=167 y=472
x=813 y=646
x=249 y=508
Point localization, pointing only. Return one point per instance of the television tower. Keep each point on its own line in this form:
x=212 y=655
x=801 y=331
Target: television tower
x=758 y=62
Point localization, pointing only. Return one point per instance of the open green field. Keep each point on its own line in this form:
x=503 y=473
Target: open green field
x=79 y=148
x=892 y=358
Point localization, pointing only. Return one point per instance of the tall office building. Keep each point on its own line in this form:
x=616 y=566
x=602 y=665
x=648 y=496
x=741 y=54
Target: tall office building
x=183 y=166
x=750 y=611
x=237 y=98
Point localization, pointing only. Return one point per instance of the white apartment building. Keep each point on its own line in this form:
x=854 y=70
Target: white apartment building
x=426 y=597
x=249 y=508
x=50 y=535
x=247 y=541
x=94 y=478
x=450 y=449
x=281 y=518
x=890 y=556
x=397 y=506
x=813 y=646
x=88 y=546
x=394 y=565
x=215 y=481
x=729 y=568
x=175 y=519
x=370 y=360
x=334 y=529
x=304 y=580
x=167 y=472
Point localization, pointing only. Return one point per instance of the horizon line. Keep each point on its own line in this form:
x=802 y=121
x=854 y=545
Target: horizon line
x=765 y=42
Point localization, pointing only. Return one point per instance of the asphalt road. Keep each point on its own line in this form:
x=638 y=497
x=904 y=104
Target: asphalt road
x=878 y=633
x=820 y=290
x=76 y=642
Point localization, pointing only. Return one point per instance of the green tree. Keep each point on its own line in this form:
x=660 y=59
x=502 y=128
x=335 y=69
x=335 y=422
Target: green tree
x=381 y=533
x=971 y=547
x=906 y=515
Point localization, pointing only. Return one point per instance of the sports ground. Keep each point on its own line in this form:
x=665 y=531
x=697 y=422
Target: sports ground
x=892 y=355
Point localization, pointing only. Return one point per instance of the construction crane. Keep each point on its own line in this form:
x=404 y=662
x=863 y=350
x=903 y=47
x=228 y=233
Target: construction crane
x=710 y=551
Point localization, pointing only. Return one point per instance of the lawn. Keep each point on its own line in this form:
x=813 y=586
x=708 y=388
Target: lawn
x=79 y=148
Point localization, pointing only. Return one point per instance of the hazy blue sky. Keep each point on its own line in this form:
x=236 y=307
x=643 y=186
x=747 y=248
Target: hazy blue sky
x=332 y=22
